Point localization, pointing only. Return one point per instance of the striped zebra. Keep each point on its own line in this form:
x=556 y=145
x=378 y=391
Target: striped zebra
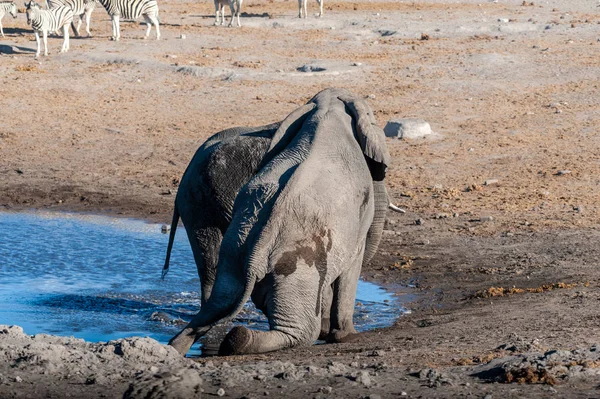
x=81 y=8
x=234 y=5
x=7 y=7
x=49 y=20
x=132 y=9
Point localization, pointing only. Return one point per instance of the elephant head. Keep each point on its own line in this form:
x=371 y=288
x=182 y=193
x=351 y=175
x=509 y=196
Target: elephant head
x=300 y=229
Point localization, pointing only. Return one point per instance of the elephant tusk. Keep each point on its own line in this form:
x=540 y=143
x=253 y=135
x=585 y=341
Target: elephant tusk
x=396 y=209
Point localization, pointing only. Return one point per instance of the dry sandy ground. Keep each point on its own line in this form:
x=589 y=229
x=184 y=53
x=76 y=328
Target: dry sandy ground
x=507 y=275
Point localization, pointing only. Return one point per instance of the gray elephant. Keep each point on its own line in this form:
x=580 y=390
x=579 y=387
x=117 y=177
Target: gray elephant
x=300 y=229
x=207 y=191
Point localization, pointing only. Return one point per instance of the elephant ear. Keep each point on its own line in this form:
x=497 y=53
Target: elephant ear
x=287 y=130
x=370 y=137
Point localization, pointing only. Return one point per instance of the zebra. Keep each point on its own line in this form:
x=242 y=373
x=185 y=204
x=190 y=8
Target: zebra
x=132 y=9
x=80 y=8
x=302 y=5
x=49 y=20
x=7 y=7
x=234 y=5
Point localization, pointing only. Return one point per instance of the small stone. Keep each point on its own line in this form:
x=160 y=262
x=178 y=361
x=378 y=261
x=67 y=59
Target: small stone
x=18 y=379
x=364 y=378
x=371 y=96
x=563 y=172
x=442 y=216
x=486 y=219
x=325 y=389
x=489 y=182
x=419 y=222
x=503 y=20
x=488 y=396
x=182 y=36
x=407 y=128
x=403 y=394
x=378 y=352
x=220 y=392
x=356 y=63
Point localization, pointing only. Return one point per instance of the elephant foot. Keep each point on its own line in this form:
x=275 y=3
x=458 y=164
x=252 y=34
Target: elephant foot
x=235 y=341
x=341 y=336
x=182 y=342
x=325 y=326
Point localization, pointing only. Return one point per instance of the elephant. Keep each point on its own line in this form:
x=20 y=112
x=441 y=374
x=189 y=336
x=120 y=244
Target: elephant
x=311 y=212
x=207 y=191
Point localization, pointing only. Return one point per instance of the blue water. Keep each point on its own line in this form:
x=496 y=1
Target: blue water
x=98 y=278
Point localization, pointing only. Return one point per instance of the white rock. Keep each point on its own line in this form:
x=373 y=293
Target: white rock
x=407 y=128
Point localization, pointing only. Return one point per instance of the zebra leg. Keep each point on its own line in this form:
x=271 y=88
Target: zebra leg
x=232 y=9
x=148 y=25
x=154 y=19
x=45 y=35
x=217 y=9
x=300 y=2
x=88 y=17
x=37 y=41
x=1 y=30
x=320 y=7
x=76 y=29
x=116 y=28
x=239 y=10
x=65 y=46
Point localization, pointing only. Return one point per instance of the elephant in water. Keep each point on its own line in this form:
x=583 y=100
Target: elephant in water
x=311 y=211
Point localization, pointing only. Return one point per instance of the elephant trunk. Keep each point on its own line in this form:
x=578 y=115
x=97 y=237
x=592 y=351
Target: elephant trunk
x=376 y=230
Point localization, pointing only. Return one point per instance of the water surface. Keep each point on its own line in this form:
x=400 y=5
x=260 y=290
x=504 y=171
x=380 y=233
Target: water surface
x=98 y=278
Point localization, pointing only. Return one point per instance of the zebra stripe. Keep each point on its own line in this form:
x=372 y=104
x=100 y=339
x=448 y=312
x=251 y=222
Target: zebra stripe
x=81 y=8
x=78 y=6
x=49 y=20
x=7 y=7
x=130 y=9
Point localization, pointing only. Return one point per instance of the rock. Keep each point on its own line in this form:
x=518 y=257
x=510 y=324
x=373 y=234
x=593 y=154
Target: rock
x=182 y=36
x=179 y=384
x=165 y=228
x=486 y=219
x=310 y=68
x=419 y=222
x=489 y=182
x=325 y=389
x=563 y=172
x=407 y=128
x=362 y=378
x=220 y=392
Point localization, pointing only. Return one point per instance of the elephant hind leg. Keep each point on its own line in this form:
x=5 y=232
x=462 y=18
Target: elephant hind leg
x=242 y=341
x=342 y=306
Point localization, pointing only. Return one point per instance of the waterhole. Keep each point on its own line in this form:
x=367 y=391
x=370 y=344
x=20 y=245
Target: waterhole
x=98 y=278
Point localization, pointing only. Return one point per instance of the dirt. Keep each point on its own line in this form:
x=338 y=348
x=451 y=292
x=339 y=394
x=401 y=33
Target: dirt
x=506 y=275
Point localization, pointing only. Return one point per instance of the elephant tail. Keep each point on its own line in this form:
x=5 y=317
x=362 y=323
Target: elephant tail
x=174 y=223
